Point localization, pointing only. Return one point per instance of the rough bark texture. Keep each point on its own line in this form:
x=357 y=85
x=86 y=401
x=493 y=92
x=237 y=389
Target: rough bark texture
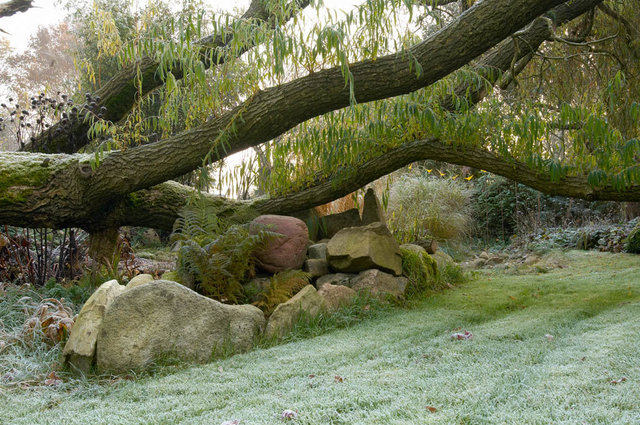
x=14 y=6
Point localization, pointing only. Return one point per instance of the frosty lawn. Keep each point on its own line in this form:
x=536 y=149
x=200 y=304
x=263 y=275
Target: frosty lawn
x=545 y=349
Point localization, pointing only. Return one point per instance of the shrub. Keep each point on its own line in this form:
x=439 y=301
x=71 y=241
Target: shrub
x=421 y=206
x=421 y=270
x=501 y=208
x=633 y=240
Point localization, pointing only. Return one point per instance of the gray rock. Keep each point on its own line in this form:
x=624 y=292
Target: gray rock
x=371 y=211
x=317 y=251
x=151 y=322
x=332 y=224
x=341 y=279
x=379 y=284
x=246 y=324
x=336 y=296
x=356 y=249
x=80 y=349
x=416 y=249
x=316 y=268
x=141 y=279
x=307 y=302
x=442 y=258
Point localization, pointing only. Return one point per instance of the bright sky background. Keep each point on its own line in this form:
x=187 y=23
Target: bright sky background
x=47 y=12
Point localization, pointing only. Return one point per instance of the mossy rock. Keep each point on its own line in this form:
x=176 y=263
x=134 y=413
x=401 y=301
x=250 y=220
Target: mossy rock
x=633 y=240
x=421 y=269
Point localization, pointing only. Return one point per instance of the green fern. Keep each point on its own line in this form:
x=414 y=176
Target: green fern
x=282 y=286
x=216 y=262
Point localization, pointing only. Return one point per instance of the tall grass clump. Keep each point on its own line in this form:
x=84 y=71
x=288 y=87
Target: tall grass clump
x=421 y=206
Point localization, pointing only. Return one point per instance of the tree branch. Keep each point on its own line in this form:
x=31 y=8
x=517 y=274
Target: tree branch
x=14 y=6
x=275 y=110
x=70 y=193
x=119 y=94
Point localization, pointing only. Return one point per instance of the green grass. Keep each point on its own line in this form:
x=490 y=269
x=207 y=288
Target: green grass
x=401 y=361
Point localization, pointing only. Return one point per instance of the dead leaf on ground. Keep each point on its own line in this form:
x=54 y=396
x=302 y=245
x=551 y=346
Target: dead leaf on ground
x=432 y=409
x=289 y=414
x=549 y=337
x=462 y=335
x=53 y=379
x=232 y=422
x=618 y=381
x=338 y=378
x=311 y=375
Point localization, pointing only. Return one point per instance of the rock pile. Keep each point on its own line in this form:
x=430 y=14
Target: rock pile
x=122 y=328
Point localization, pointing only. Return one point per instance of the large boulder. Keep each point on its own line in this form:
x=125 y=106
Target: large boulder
x=336 y=296
x=379 y=284
x=166 y=319
x=246 y=324
x=306 y=302
x=416 y=249
x=371 y=210
x=80 y=349
x=333 y=223
x=286 y=252
x=442 y=258
x=355 y=249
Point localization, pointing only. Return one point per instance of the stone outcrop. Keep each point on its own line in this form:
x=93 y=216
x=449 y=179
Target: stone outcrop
x=316 y=268
x=307 y=302
x=355 y=249
x=79 y=351
x=371 y=210
x=167 y=320
x=285 y=252
x=317 y=251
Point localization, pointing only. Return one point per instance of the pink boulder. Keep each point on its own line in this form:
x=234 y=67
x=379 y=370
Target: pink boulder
x=288 y=251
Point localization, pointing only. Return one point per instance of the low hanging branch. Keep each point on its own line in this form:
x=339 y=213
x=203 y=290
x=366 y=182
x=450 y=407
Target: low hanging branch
x=64 y=190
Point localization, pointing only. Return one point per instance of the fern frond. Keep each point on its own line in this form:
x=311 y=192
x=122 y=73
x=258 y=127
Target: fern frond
x=282 y=287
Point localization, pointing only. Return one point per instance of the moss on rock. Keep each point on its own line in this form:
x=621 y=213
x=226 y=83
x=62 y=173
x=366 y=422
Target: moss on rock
x=421 y=269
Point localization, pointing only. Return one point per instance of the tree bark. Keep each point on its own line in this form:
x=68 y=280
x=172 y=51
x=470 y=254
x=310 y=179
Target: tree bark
x=64 y=191
x=14 y=6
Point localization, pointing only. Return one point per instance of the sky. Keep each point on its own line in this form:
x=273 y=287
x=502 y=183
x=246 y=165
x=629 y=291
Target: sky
x=21 y=26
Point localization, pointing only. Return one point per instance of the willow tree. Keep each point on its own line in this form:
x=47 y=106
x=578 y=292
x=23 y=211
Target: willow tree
x=348 y=100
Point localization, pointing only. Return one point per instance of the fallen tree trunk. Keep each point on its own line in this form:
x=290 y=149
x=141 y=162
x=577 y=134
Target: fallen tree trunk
x=64 y=191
